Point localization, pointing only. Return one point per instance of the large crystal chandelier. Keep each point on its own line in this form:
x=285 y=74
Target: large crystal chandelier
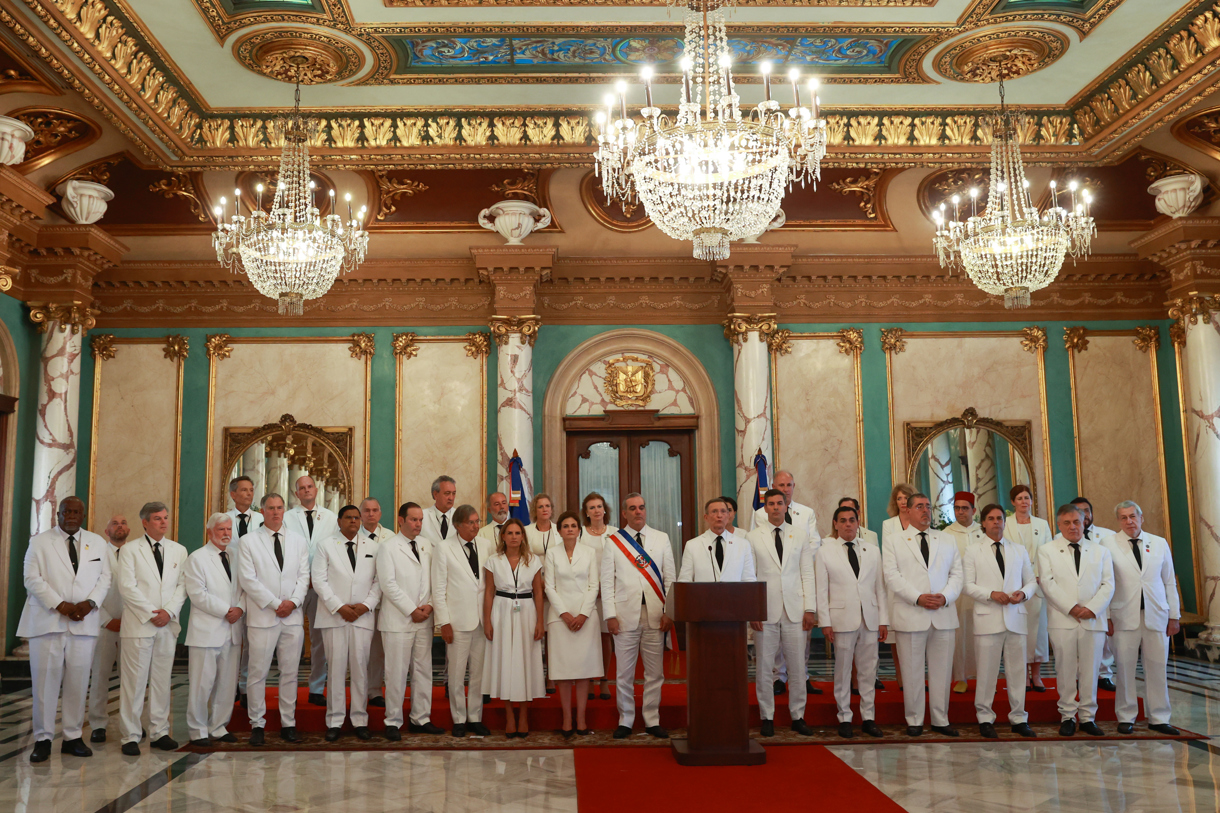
x=1010 y=248
x=293 y=253
x=714 y=173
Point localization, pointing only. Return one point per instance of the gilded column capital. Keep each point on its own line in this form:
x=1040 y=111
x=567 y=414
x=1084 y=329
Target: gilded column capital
x=478 y=344
x=892 y=340
x=1076 y=339
x=74 y=316
x=739 y=324
x=1035 y=339
x=850 y=341
x=176 y=348
x=1193 y=307
x=504 y=326
x=405 y=346
x=8 y=275
x=363 y=346
x=217 y=346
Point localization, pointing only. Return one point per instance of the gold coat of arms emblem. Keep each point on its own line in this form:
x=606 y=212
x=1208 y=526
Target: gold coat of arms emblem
x=630 y=381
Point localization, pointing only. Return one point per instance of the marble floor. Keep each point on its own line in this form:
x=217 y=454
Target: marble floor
x=1147 y=777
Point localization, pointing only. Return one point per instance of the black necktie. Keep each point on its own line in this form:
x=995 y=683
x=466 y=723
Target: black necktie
x=373 y=537
x=779 y=547
x=720 y=553
x=224 y=560
x=309 y=522
x=158 y=557
x=788 y=517
x=1076 y=554
x=76 y=560
x=445 y=527
x=852 y=558
x=923 y=547
x=243 y=524
x=351 y=552
x=999 y=556
x=279 y=551
x=414 y=550
x=473 y=555
x=1139 y=560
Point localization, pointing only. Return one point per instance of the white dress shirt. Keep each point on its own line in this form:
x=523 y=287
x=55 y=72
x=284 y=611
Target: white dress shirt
x=431 y=529
x=802 y=515
x=699 y=559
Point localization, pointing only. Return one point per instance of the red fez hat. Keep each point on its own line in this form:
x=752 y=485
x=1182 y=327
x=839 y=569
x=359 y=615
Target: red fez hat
x=964 y=495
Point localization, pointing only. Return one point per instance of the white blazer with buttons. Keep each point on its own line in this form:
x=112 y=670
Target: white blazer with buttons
x=571 y=586
x=907 y=577
x=337 y=583
x=622 y=584
x=325 y=525
x=254 y=522
x=213 y=593
x=381 y=533
x=982 y=578
x=803 y=517
x=1093 y=587
x=431 y=529
x=406 y=583
x=457 y=593
x=790 y=582
x=112 y=606
x=265 y=583
x=699 y=559
x=50 y=580
x=1153 y=579
x=845 y=600
x=145 y=591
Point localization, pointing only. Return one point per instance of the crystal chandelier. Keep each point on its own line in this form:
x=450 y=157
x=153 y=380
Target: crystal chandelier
x=293 y=253
x=1010 y=248
x=713 y=174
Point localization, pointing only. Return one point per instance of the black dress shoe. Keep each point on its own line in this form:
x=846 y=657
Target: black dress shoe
x=459 y=730
x=98 y=735
x=1105 y=684
x=855 y=692
x=583 y=732
x=622 y=732
x=130 y=749
x=426 y=728
x=779 y=687
x=1024 y=730
x=1164 y=728
x=1067 y=728
x=1032 y=688
x=332 y=734
x=987 y=730
x=257 y=737
x=871 y=728
x=486 y=699
x=767 y=728
x=845 y=731
x=604 y=695
x=75 y=748
x=203 y=743
x=228 y=737
x=1126 y=728
x=363 y=733
x=165 y=743
x=480 y=730
x=42 y=751
x=242 y=698
x=1093 y=729
x=878 y=685
x=567 y=733
x=377 y=702
x=914 y=731
x=944 y=730
x=290 y=734
x=393 y=734
x=317 y=700
x=801 y=727
x=656 y=731
x=811 y=689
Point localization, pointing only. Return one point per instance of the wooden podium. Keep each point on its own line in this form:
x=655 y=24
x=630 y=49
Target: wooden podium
x=717 y=681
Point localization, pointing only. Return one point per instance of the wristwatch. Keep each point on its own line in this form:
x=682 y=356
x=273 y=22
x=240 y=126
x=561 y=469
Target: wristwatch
x=92 y=603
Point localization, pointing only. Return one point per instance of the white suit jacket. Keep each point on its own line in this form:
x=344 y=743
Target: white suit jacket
x=1154 y=579
x=382 y=533
x=907 y=578
x=406 y=583
x=325 y=525
x=790 y=584
x=699 y=559
x=145 y=591
x=254 y=522
x=982 y=578
x=571 y=587
x=265 y=583
x=1064 y=589
x=213 y=594
x=623 y=584
x=964 y=537
x=845 y=600
x=431 y=529
x=491 y=531
x=457 y=593
x=802 y=517
x=337 y=583
x=112 y=606
x=50 y=580
x=1098 y=534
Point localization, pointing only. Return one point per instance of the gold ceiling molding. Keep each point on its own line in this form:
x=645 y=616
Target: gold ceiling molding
x=57 y=132
x=328 y=58
x=942 y=185
x=1200 y=131
x=390 y=189
x=616 y=216
x=20 y=76
x=335 y=13
x=1005 y=53
x=871 y=190
x=185 y=185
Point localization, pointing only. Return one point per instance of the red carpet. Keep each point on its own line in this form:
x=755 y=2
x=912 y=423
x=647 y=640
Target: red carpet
x=617 y=779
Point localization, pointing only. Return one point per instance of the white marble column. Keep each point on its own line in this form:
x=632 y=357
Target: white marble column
x=515 y=398
x=940 y=478
x=751 y=405
x=295 y=472
x=980 y=460
x=1201 y=360
x=277 y=474
x=254 y=466
x=334 y=500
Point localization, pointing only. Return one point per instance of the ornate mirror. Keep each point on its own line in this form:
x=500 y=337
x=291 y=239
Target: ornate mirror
x=276 y=454
x=970 y=453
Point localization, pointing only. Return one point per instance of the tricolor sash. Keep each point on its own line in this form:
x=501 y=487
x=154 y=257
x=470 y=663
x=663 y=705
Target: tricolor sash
x=635 y=552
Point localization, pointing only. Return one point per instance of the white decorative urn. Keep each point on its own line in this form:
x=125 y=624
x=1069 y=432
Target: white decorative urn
x=1177 y=195
x=84 y=201
x=777 y=221
x=514 y=220
x=13 y=137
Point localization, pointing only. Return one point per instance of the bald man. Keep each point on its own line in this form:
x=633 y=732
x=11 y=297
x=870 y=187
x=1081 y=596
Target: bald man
x=497 y=510
x=106 y=652
x=316 y=523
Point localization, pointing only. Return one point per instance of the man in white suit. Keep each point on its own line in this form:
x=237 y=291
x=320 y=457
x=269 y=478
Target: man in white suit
x=106 y=653
x=345 y=579
x=1098 y=534
x=152 y=582
x=854 y=614
x=438 y=517
x=866 y=536
x=964 y=531
x=923 y=576
x=497 y=509
x=1077 y=578
x=245 y=518
x=458 y=565
x=314 y=523
x=372 y=530
x=1144 y=615
x=1000 y=578
x=67 y=574
x=637 y=572
x=404 y=563
x=273 y=570
x=783 y=559
x=214 y=635
x=717 y=555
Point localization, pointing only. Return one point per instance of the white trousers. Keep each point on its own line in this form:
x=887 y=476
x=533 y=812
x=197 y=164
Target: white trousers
x=146 y=667
x=60 y=661
x=213 y=679
x=789 y=636
x=408 y=653
x=317 y=645
x=376 y=664
x=859 y=645
x=931 y=649
x=284 y=643
x=1106 y=668
x=466 y=650
x=347 y=650
x=105 y=659
x=1077 y=656
x=988 y=649
x=649 y=644
x=1153 y=645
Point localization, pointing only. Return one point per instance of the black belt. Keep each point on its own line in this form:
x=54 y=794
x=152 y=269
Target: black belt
x=505 y=594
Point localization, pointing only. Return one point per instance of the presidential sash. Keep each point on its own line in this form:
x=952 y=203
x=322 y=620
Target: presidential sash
x=644 y=563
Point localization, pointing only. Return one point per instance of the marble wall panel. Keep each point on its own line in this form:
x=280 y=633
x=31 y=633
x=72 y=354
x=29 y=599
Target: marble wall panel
x=136 y=434
x=939 y=377
x=441 y=424
x=589 y=397
x=1117 y=420
x=815 y=421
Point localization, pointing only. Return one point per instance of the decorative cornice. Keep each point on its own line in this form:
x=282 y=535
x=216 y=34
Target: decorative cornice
x=502 y=327
x=850 y=341
x=1076 y=339
x=101 y=346
x=405 y=346
x=217 y=346
x=1148 y=337
x=478 y=344
x=1034 y=340
x=76 y=316
x=739 y=324
x=176 y=348
x=892 y=340
x=363 y=346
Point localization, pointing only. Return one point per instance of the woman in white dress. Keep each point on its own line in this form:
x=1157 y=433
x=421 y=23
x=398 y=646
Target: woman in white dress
x=890 y=529
x=595 y=533
x=1031 y=533
x=512 y=622
x=574 y=653
x=540 y=536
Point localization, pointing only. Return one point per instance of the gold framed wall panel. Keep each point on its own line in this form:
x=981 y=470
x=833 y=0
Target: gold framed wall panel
x=1195 y=553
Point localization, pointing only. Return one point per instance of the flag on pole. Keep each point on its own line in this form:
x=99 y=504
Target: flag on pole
x=760 y=465
x=518 y=500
